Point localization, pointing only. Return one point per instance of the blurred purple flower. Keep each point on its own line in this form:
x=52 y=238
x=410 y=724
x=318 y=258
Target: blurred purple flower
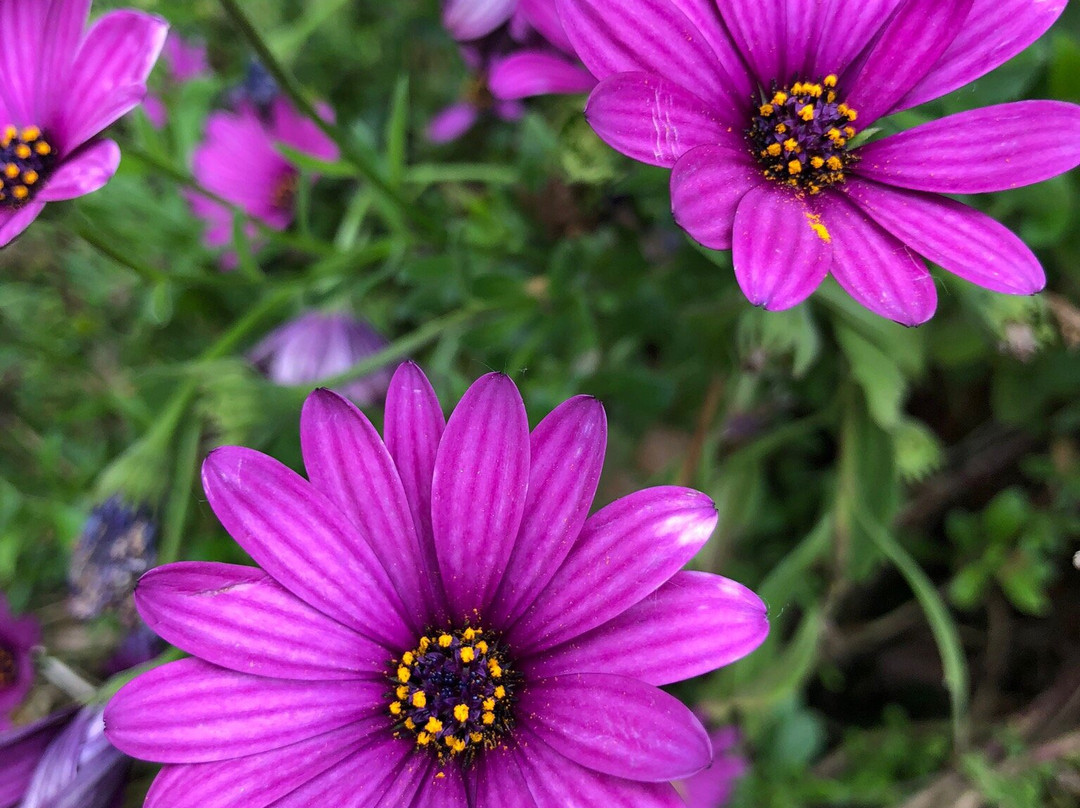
x=184 y=61
x=239 y=161
x=712 y=787
x=317 y=346
x=754 y=106
x=17 y=636
x=61 y=87
x=434 y=617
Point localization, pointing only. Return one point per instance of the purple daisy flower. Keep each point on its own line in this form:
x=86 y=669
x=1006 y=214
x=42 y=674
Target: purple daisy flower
x=712 y=787
x=61 y=86
x=317 y=346
x=239 y=161
x=437 y=620
x=756 y=107
x=17 y=636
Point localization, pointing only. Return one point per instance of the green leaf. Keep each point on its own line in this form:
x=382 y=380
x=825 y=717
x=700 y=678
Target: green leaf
x=880 y=378
x=397 y=131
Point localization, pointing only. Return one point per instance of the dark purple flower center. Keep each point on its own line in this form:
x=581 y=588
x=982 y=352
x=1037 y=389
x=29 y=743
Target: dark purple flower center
x=454 y=693
x=800 y=135
x=26 y=160
x=7 y=667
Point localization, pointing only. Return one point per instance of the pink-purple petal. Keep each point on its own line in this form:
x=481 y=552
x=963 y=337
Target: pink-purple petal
x=543 y=15
x=453 y=122
x=472 y=19
x=83 y=172
x=193 y=712
x=960 y=239
x=707 y=185
x=345 y=459
x=781 y=251
x=526 y=73
x=478 y=491
x=650 y=118
x=241 y=619
x=62 y=28
x=304 y=541
x=994 y=32
x=843 y=31
x=990 y=149
x=625 y=551
x=567 y=450
x=496 y=780
x=876 y=269
x=13 y=222
x=693 y=624
x=23 y=25
x=616 y=725
x=758 y=30
x=910 y=43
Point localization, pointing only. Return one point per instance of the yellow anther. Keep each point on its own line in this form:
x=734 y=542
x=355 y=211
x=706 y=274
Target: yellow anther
x=817 y=162
x=833 y=134
x=20 y=192
x=842 y=109
x=774 y=149
x=11 y=171
x=813 y=90
x=791 y=145
x=780 y=128
x=834 y=163
x=10 y=133
x=433 y=725
x=445 y=640
x=425 y=643
x=403 y=674
x=849 y=131
x=488 y=704
x=30 y=177
x=31 y=133
x=493 y=667
x=402 y=693
x=42 y=148
x=830 y=80
x=500 y=692
x=807 y=112
x=851 y=114
x=461 y=712
x=467 y=654
x=469 y=634
x=408 y=658
x=476 y=737
x=765 y=109
x=797 y=88
x=456 y=744
x=419 y=699
x=423 y=739
x=779 y=98
x=22 y=151
x=410 y=724
x=395 y=708
x=482 y=647
x=794 y=167
x=488 y=718
x=830 y=97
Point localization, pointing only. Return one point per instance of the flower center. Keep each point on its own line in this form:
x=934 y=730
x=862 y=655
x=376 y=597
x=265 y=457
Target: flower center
x=26 y=159
x=800 y=135
x=7 y=667
x=453 y=693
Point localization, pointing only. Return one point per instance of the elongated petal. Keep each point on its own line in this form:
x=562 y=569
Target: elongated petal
x=646 y=36
x=543 y=15
x=23 y=25
x=994 y=32
x=304 y=541
x=567 y=451
x=257 y=780
x=758 y=30
x=83 y=172
x=910 y=43
x=241 y=619
x=346 y=460
x=650 y=118
x=109 y=76
x=556 y=781
x=193 y=712
x=294 y=129
x=707 y=185
x=472 y=19
x=958 y=238
x=478 y=491
x=497 y=780
x=536 y=72
x=625 y=551
x=617 y=725
x=990 y=149
x=20 y=750
x=781 y=250
x=453 y=122
x=876 y=269
x=693 y=624
x=13 y=222
x=446 y=789
x=62 y=29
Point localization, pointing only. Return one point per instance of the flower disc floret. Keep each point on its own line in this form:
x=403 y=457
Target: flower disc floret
x=27 y=157
x=800 y=133
x=453 y=693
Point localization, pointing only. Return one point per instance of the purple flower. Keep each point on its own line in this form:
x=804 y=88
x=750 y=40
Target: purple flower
x=61 y=86
x=436 y=619
x=17 y=636
x=184 y=61
x=317 y=346
x=755 y=107
x=63 y=761
x=712 y=787
x=239 y=161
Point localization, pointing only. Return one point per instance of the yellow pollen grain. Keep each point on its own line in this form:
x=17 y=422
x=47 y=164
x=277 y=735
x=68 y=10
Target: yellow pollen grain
x=851 y=114
x=794 y=167
x=791 y=145
x=469 y=634
x=488 y=704
x=833 y=134
x=433 y=725
x=445 y=640
x=834 y=163
x=42 y=148
x=20 y=192
x=797 y=88
x=402 y=693
x=408 y=658
x=765 y=109
x=395 y=708
x=30 y=177
x=482 y=647
x=817 y=162
x=830 y=80
x=476 y=737
x=807 y=112
x=22 y=151
x=457 y=744
x=819 y=229
x=423 y=739
x=813 y=90
x=842 y=109
x=779 y=98
x=11 y=171
x=849 y=131
x=410 y=724
x=425 y=643
x=830 y=97
x=31 y=133
x=461 y=712
x=488 y=718
x=493 y=667
x=500 y=692
x=774 y=149
x=467 y=654
x=419 y=699
x=403 y=674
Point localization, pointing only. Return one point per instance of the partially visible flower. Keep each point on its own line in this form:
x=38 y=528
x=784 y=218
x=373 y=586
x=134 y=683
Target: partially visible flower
x=239 y=161
x=17 y=636
x=761 y=109
x=61 y=87
x=436 y=620
x=21 y=749
x=712 y=787
x=184 y=61
x=117 y=545
x=317 y=346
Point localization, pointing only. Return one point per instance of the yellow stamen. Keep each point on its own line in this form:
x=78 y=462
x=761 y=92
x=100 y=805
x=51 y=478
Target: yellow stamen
x=20 y=192
x=31 y=133
x=408 y=658
x=791 y=145
x=445 y=640
x=403 y=674
x=765 y=110
x=774 y=149
x=817 y=162
x=402 y=693
x=30 y=177
x=419 y=699
x=395 y=708
x=488 y=704
x=488 y=718
x=830 y=80
x=22 y=151
x=482 y=647
x=461 y=712
x=779 y=98
x=42 y=148
x=807 y=112
x=410 y=724
x=500 y=692
x=820 y=230
x=423 y=739
x=11 y=171
x=834 y=163
x=433 y=725
x=467 y=654
x=794 y=167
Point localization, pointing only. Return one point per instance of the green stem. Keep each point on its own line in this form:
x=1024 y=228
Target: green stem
x=152 y=274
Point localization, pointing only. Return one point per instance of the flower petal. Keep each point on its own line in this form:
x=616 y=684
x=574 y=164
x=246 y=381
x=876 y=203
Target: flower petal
x=62 y=28
x=346 y=460
x=543 y=15
x=304 y=541
x=616 y=725
x=478 y=491
x=910 y=43
x=693 y=624
x=650 y=36
x=300 y=132
x=1017 y=144
x=497 y=780
x=994 y=32
x=781 y=249
x=13 y=222
x=843 y=31
x=472 y=19
x=650 y=119
x=877 y=270
x=108 y=77
x=527 y=73
x=707 y=185
x=758 y=30
x=21 y=749
x=241 y=619
x=958 y=238
x=625 y=551
x=567 y=453
x=452 y=122
x=84 y=172
x=193 y=712
x=24 y=30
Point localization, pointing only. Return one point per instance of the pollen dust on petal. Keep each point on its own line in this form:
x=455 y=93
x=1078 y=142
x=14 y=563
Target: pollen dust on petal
x=820 y=230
